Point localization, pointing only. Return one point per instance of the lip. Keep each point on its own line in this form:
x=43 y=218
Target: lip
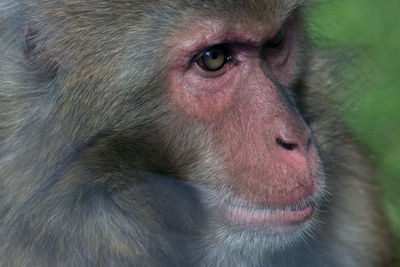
x=269 y=217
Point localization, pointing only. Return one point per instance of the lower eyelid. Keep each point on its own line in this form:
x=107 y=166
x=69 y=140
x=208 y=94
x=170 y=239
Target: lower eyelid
x=211 y=74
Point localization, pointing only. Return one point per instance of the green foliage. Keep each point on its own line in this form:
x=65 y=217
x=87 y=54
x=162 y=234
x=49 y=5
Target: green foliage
x=371 y=28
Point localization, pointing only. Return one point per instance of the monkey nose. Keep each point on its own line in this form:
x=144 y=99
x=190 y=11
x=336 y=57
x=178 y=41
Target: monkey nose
x=300 y=145
x=293 y=135
x=289 y=145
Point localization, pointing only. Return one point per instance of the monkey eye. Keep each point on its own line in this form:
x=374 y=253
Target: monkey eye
x=214 y=58
x=277 y=40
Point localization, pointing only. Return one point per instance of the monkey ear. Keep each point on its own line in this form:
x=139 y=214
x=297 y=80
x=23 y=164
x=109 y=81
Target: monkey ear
x=36 y=52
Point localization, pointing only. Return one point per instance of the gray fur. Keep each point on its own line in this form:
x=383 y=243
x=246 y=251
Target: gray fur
x=86 y=147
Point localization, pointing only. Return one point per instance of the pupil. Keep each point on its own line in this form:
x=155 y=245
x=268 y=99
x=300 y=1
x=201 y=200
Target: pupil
x=214 y=55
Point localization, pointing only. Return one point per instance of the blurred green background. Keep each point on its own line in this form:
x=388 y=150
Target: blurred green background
x=370 y=29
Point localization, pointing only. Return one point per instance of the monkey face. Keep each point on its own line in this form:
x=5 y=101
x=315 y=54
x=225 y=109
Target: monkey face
x=174 y=133
x=237 y=81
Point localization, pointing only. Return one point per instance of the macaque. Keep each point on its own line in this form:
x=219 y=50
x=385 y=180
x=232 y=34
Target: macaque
x=176 y=133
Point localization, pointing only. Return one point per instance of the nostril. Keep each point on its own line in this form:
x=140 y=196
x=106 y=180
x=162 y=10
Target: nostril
x=286 y=145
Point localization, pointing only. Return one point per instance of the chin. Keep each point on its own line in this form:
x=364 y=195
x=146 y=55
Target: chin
x=256 y=244
x=242 y=228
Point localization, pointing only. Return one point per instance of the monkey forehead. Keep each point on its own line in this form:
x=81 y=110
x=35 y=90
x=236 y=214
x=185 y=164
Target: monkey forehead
x=251 y=27
x=232 y=10
x=211 y=32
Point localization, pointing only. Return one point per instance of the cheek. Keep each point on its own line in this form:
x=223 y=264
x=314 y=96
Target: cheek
x=197 y=97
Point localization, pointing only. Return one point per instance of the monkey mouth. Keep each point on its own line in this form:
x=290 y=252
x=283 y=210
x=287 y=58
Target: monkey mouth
x=275 y=220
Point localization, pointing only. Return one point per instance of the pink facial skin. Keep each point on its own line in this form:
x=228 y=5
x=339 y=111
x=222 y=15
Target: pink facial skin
x=277 y=221
x=267 y=148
